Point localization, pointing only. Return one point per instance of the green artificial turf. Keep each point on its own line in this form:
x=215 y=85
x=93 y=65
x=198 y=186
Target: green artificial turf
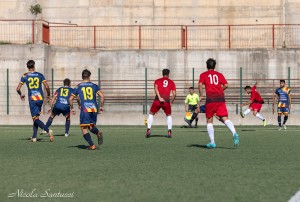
x=129 y=167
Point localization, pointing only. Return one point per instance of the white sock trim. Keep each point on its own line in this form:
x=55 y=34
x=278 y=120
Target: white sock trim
x=247 y=112
x=230 y=126
x=150 y=120
x=210 y=131
x=169 y=122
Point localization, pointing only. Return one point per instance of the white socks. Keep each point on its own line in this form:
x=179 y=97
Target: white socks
x=150 y=120
x=247 y=112
x=230 y=125
x=260 y=116
x=210 y=130
x=169 y=121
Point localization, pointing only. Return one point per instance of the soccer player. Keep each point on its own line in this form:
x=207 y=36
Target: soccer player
x=191 y=103
x=215 y=84
x=34 y=81
x=162 y=87
x=87 y=92
x=255 y=103
x=283 y=95
x=61 y=106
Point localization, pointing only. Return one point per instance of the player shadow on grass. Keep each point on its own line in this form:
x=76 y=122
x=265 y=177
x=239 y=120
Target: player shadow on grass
x=37 y=139
x=59 y=135
x=166 y=136
x=79 y=146
x=204 y=146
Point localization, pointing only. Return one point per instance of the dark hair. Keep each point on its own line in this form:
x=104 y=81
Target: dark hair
x=282 y=81
x=30 y=64
x=247 y=87
x=67 y=82
x=86 y=74
x=165 y=72
x=192 y=88
x=211 y=63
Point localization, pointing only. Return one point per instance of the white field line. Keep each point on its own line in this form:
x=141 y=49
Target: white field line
x=295 y=198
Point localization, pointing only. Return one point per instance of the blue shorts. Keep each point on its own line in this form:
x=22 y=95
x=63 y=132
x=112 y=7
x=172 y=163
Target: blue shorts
x=202 y=109
x=35 y=108
x=58 y=110
x=282 y=110
x=88 y=118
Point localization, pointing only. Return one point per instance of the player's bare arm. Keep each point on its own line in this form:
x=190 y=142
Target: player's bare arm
x=101 y=101
x=173 y=96
x=200 y=92
x=71 y=104
x=247 y=103
x=255 y=83
x=78 y=102
x=52 y=102
x=47 y=89
x=275 y=97
x=157 y=93
x=22 y=96
x=290 y=101
x=225 y=86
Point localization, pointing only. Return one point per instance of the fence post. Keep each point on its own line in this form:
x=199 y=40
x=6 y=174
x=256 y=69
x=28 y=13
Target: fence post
x=186 y=37
x=146 y=91
x=7 y=91
x=52 y=83
x=94 y=37
x=241 y=87
x=32 y=31
x=229 y=37
x=289 y=76
x=193 y=77
x=273 y=36
x=99 y=82
x=140 y=37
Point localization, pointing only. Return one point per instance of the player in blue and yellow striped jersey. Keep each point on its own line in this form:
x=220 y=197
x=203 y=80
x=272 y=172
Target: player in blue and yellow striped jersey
x=87 y=92
x=283 y=96
x=34 y=81
x=61 y=106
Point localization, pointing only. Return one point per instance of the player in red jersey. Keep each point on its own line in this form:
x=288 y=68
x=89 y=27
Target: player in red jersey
x=163 y=87
x=255 y=103
x=215 y=84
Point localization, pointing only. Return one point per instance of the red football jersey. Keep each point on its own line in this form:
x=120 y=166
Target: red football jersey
x=164 y=86
x=255 y=96
x=213 y=82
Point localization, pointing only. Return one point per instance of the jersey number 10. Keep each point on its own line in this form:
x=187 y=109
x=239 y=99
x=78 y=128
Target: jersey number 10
x=87 y=93
x=213 y=79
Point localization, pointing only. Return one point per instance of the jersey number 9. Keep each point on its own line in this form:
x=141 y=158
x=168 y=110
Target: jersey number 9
x=87 y=93
x=33 y=83
x=165 y=83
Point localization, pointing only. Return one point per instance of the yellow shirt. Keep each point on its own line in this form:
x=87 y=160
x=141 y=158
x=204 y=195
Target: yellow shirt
x=192 y=99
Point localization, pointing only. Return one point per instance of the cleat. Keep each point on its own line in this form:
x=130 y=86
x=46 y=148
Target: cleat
x=211 y=145
x=280 y=128
x=148 y=133
x=33 y=140
x=43 y=132
x=100 y=138
x=284 y=126
x=51 y=137
x=188 y=122
x=93 y=147
x=66 y=135
x=169 y=134
x=242 y=114
x=236 y=140
x=264 y=122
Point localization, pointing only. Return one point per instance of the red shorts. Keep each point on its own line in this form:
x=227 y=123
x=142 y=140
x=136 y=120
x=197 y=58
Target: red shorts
x=216 y=108
x=255 y=106
x=156 y=105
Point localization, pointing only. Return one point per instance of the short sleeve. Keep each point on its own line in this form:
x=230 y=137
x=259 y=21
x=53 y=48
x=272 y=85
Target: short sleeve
x=42 y=78
x=75 y=91
x=186 y=99
x=56 y=92
x=97 y=89
x=174 y=86
x=276 y=92
x=201 y=78
x=22 y=81
x=198 y=98
x=289 y=92
x=223 y=80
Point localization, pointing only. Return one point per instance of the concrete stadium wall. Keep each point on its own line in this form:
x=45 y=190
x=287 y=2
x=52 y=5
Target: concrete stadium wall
x=148 y=12
x=129 y=65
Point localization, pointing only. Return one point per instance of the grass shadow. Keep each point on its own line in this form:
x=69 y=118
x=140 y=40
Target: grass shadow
x=248 y=130
x=204 y=146
x=60 y=135
x=165 y=136
x=28 y=139
x=79 y=146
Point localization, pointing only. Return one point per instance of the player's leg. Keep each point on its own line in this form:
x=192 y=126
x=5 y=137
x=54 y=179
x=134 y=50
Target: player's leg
x=168 y=111
x=67 y=113
x=94 y=129
x=50 y=119
x=35 y=109
x=256 y=110
x=286 y=116
x=153 y=110
x=35 y=130
x=245 y=113
x=196 y=111
x=84 y=125
x=279 y=118
x=209 y=112
x=222 y=112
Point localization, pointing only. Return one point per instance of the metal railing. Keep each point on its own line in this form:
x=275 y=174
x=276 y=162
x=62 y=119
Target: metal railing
x=146 y=37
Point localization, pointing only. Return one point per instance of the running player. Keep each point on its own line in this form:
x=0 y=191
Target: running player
x=87 y=92
x=283 y=95
x=215 y=84
x=255 y=103
x=61 y=106
x=34 y=81
x=190 y=105
x=162 y=87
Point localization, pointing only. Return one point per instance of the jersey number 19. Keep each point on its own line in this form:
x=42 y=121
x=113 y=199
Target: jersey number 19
x=87 y=93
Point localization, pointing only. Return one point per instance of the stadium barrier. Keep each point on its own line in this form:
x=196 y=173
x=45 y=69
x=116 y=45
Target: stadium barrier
x=140 y=93
x=150 y=37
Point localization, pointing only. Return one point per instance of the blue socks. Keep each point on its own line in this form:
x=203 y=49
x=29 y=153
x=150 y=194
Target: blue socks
x=35 y=130
x=68 y=122
x=49 y=122
x=279 y=121
x=88 y=138
x=285 y=119
x=95 y=130
x=40 y=124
